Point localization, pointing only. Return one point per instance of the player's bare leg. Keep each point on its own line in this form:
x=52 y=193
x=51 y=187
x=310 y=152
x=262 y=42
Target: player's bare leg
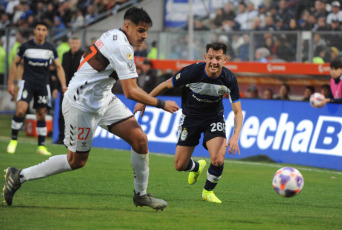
x=183 y=162
x=217 y=151
x=131 y=132
x=17 y=123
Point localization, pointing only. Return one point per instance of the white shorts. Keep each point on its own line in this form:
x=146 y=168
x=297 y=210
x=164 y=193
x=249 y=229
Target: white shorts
x=80 y=126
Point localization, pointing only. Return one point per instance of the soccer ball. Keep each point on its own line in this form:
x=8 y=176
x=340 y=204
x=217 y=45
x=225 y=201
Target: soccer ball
x=316 y=98
x=288 y=182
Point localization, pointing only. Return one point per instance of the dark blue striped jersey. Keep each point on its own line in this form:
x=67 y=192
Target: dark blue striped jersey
x=202 y=95
x=37 y=59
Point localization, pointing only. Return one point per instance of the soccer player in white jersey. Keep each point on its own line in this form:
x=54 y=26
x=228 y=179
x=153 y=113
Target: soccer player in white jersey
x=37 y=55
x=88 y=102
x=205 y=83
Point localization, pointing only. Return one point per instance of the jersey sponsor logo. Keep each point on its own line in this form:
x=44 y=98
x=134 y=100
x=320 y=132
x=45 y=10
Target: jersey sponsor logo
x=38 y=63
x=99 y=44
x=115 y=37
x=39 y=54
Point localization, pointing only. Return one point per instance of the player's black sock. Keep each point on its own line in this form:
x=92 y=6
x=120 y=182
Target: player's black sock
x=41 y=130
x=213 y=176
x=193 y=166
x=17 y=122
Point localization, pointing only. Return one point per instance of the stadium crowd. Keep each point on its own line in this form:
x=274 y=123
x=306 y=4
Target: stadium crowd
x=59 y=14
x=267 y=18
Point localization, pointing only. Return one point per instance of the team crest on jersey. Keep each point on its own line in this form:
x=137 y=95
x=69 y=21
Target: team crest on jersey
x=184 y=134
x=129 y=56
x=177 y=76
x=25 y=94
x=222 y=90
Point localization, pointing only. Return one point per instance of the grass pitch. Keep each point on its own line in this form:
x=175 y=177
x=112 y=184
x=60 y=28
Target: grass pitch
x=100 y=196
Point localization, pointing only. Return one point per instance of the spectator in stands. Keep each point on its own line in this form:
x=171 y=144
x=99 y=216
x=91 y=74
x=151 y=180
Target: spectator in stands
x=50 y=14
x=321 y=24
x=230 y=51
x=318 y=41
x=269 y=43
x=284 y=92
x=335 y=84
x=242 y=16
x=90 y=15
x=284 y=11
x=320 y=8
x=335 y=12
x=99 y=7
x=229 y=25
x=268 y=93
x=319 y=55
x=216 y=22
x=243 y=50
x=77 y=19
x=5 y=22
x=334 y=39
x=308 y=91
x=229 y=12
x=153 y=54
x=283 y=49
x=269 y=23
x=252 y=92
x=280 y=25
x=251 y=14
x=147 y=80
x=65 y=13
x=334 y=54
x=326 y=91
x=262 y=14
x=198 y=25
x=261 y=54
x=58 y=26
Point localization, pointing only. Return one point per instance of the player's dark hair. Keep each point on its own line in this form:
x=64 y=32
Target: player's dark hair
x=137 y=15
x=336 y=64
x=217 y=46
x=42 y=23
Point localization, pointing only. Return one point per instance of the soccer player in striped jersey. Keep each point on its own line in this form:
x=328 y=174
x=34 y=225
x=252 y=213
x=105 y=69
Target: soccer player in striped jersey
x=37 y=55
x=89 y=102
x=205 y=83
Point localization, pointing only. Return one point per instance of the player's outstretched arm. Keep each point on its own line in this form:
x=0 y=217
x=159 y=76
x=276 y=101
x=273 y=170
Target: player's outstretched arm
x=60 y=74
x=134 y=92
x=155 y=92
x=238 y=118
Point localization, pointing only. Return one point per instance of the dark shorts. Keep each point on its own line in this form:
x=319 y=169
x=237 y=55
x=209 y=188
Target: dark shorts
x=39 y=92
x=190 y=129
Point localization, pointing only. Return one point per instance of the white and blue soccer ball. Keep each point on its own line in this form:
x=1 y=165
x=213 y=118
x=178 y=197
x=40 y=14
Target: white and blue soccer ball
x=316 y=98
x=288 y=182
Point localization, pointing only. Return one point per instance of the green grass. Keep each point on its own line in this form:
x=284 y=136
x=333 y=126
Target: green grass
x=99 y=196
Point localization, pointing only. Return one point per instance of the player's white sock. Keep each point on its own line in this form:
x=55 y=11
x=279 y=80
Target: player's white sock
x=141 y=171
x=53 y=165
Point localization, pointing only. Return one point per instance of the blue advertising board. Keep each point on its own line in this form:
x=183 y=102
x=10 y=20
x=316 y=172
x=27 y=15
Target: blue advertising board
x=286 y=131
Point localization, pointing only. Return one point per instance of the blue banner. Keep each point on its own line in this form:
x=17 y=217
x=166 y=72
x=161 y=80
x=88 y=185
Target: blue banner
x=286 y=131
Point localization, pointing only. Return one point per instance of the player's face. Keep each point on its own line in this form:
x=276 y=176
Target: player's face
x=215 y=59
x=335 y=73
x=40 y=33
x=136 y=33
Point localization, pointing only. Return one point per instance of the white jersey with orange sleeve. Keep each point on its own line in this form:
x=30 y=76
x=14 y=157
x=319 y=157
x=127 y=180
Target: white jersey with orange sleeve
x=109 y=59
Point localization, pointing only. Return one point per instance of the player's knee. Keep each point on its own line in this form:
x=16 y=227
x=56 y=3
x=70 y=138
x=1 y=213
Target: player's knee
x=217 y=161
x=139 y=143
x=77 y=164
x=20 y=113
